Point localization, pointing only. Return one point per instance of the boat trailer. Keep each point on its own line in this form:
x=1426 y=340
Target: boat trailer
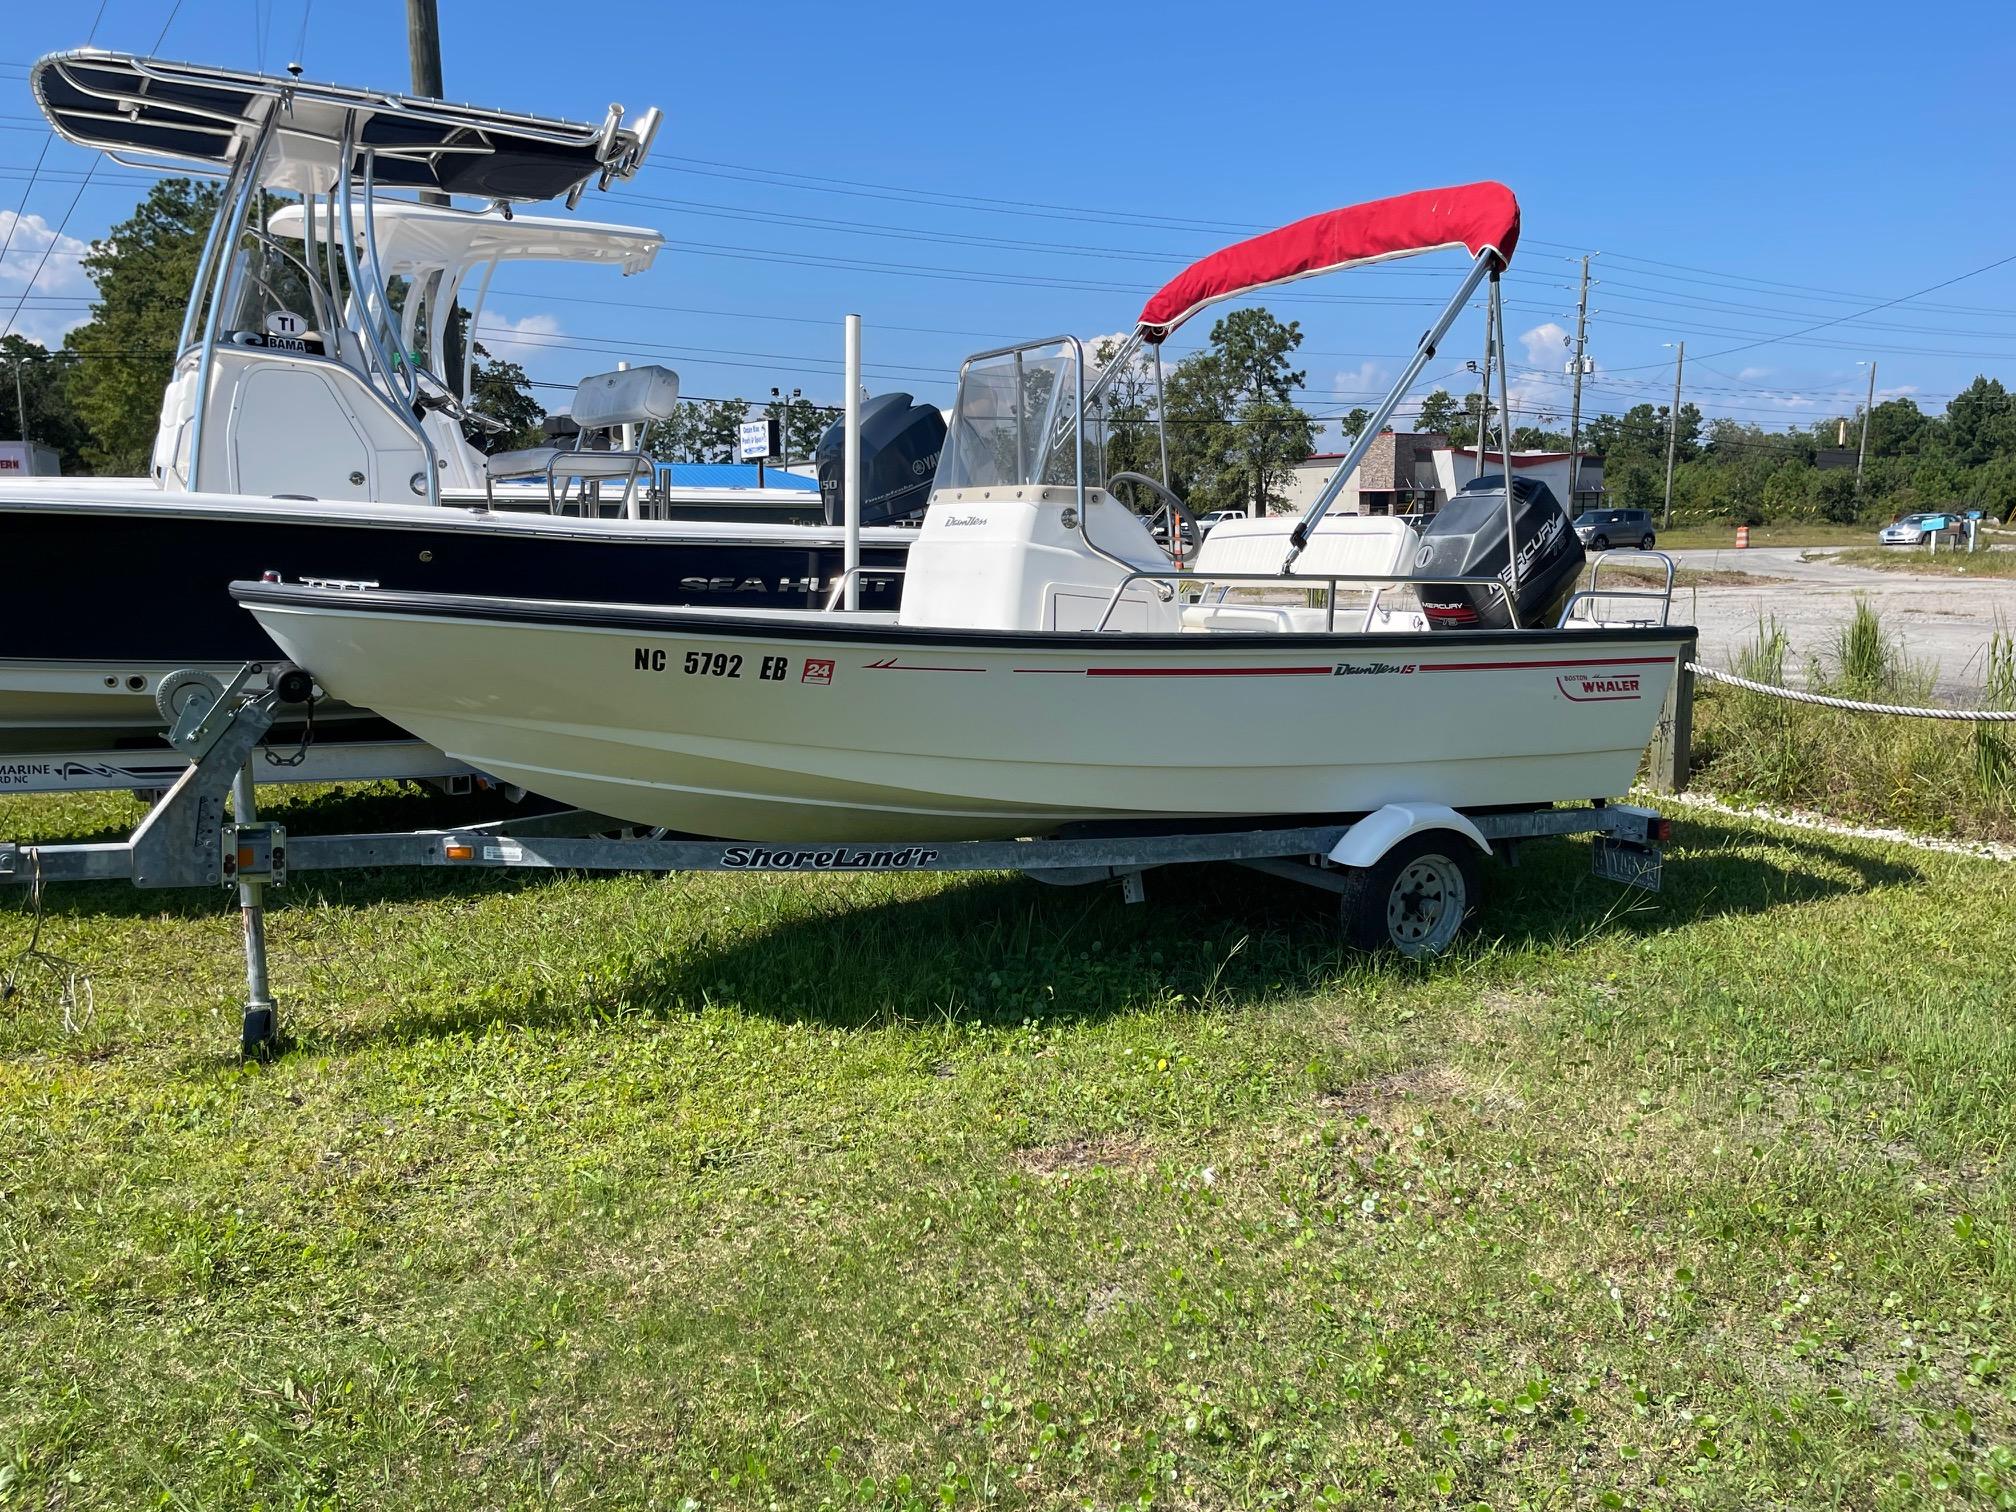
x=186 y=840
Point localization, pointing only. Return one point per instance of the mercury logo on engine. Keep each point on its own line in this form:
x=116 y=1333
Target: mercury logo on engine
x=1600 y=687
x=837 y=858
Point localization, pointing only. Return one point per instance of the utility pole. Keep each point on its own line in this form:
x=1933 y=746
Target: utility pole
x=423 y=42
x=1484 y=397
x=1575 y=408
x=1673 y=434
x=20 y=404
x=1862 y=451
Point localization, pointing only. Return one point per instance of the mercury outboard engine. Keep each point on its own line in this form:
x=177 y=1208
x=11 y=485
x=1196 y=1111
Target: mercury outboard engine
x=900 y=443
x=1466 y=538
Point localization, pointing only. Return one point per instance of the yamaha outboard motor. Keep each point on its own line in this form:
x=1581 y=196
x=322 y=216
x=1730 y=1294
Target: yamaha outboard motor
x=900 y=443
x=1466 y=538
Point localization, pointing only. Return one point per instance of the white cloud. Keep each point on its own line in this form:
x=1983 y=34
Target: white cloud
x=1547 y=346
x=1118 y=339
x=1901 y=391
x=1540 y=396
x=521 y=340
x=1752 y=374
x=1365 y=385
x=1788 y=401
x=51 y=282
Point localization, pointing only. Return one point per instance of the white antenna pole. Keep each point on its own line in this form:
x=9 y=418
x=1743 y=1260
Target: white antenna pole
x=851 y=464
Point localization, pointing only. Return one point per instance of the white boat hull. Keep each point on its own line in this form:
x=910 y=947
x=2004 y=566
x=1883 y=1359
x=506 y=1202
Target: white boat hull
x=795 y=727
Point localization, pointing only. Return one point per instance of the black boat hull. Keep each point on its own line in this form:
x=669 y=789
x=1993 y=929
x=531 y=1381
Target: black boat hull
x=101 y=602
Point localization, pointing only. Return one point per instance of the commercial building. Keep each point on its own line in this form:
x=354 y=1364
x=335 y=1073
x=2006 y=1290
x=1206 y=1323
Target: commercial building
x=1397 y=476
x=1457 y=465
x=1415 y=472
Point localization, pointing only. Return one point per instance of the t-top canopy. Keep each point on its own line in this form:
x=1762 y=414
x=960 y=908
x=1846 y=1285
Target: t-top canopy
x=189 y=115
x=414 y=237
x=1480 y=217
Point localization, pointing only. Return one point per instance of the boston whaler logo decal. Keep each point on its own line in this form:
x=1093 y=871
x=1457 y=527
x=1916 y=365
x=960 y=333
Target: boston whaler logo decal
x=1599 y=687
x=1372 y=669
x=837 y=858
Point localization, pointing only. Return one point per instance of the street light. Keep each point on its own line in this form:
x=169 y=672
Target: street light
x=778 y=397
x=1862 y=450
x=1673 y=428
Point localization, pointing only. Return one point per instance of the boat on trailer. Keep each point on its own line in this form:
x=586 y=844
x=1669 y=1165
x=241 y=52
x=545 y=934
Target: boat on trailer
x=1048 y=667
x=313 y=421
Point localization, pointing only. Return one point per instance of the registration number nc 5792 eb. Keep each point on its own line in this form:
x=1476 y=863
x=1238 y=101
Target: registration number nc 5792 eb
x=709 y=663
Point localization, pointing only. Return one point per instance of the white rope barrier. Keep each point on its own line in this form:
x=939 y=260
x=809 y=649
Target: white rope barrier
x=1966 y=716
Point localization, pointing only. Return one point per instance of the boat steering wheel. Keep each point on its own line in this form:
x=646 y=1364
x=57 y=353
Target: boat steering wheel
x=1180 y=517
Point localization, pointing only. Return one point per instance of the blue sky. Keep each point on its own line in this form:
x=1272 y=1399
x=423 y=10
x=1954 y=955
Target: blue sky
x=961 y=175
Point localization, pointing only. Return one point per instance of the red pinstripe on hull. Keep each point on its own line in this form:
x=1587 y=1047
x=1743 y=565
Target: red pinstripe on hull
x=1329 y=669
x=1323 y=671
x=1597 y=661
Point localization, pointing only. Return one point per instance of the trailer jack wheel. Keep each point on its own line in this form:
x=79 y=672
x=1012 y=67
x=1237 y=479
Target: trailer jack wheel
x=1416 y=898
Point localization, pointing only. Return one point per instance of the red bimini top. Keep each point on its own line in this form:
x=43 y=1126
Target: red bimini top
x=1480 y=217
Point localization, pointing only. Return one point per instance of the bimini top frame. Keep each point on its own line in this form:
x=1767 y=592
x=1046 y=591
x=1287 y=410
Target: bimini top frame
x=152 y=113
x=341 y=145
x=1481 y=218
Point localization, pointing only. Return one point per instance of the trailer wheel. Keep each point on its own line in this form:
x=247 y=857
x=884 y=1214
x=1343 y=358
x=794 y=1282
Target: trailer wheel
x=1416 y=898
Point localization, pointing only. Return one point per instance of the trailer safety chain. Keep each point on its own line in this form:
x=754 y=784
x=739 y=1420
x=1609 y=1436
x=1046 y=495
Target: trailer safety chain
x=79 y=1006
x=301 y=751
x=1854 y=705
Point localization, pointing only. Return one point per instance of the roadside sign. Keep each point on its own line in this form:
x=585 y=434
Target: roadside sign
x=756 y=441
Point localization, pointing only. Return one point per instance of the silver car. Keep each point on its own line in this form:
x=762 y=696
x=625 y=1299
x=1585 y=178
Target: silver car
x=1917 y=529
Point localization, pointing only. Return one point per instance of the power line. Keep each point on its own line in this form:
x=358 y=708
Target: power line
x=1884 y=305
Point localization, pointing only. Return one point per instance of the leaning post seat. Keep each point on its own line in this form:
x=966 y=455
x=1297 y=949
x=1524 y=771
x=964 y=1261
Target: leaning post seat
x=628 y=396
x=1344 y=545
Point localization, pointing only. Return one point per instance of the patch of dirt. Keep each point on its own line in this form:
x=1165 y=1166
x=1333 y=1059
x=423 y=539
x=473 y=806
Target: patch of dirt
x=1396 y=1100
x=1428 y=1084
x=1689 y=577
x=1074 y=1157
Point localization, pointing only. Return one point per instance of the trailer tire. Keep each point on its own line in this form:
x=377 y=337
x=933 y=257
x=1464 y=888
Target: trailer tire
x=1415 y=899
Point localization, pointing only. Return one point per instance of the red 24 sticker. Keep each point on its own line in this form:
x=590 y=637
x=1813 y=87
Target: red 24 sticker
x=820 y=672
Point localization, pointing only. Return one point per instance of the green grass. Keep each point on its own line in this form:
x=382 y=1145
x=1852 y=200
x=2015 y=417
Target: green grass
x=1786 y=533
x=1931 y=776
x=1981 y=563
x=930 y=1192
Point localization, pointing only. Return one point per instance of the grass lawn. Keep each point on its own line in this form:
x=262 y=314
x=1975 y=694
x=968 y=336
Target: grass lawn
x=1980 y=563
x=1787 y=533
x=957 y=1192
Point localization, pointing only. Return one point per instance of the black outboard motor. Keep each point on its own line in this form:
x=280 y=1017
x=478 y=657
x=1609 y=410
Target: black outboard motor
x=900 y=443
x=1466 y=538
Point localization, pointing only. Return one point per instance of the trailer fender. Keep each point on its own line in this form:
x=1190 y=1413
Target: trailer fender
x=1378 y=832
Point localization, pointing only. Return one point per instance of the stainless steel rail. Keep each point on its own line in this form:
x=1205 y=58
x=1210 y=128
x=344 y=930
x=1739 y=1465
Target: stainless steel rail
x=1309 y=580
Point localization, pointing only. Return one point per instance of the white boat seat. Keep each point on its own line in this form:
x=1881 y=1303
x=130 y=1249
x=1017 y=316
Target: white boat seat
x=542 y=462
x=1347 y=545
x=1279 y=619
x=628 y=396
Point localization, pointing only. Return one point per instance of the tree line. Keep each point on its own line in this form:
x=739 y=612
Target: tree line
x=1234 y=430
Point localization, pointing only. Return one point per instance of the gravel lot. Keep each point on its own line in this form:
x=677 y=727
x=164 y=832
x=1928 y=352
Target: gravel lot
x=1941 y=620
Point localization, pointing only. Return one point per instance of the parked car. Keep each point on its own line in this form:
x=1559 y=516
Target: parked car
x=1600 y=529
x=1917 y=529
x=1206 y=522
